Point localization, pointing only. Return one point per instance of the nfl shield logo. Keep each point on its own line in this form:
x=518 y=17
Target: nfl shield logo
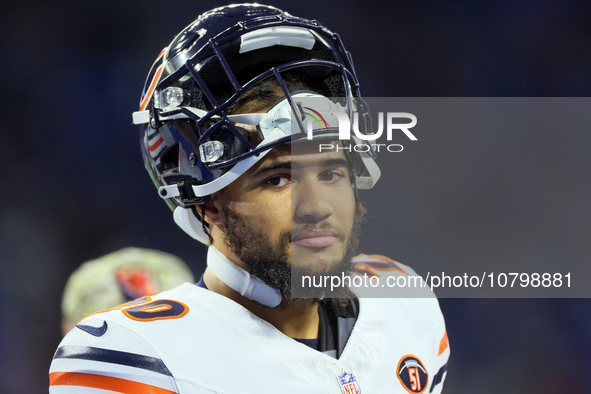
x=349 y=384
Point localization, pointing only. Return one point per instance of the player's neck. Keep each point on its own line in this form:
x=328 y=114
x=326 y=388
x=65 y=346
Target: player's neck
x=294 y=318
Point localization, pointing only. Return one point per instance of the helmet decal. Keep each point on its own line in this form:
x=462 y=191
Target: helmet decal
x=315 y=118
x=152 y=80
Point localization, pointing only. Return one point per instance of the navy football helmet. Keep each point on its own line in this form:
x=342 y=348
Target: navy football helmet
x=193 y=145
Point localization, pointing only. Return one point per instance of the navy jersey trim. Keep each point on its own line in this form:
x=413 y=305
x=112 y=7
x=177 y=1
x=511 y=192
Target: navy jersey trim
x=438 y=378
x=114 y=357
x=313 y=343
x=201 y=283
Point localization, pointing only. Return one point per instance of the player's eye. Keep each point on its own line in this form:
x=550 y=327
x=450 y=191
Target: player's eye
x=277 y=181
x=331 y=176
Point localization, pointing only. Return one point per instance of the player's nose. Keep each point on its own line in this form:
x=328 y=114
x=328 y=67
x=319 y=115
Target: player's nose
x=310 y=202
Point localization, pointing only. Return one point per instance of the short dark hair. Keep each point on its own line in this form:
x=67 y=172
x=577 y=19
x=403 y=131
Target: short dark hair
x=266 y=93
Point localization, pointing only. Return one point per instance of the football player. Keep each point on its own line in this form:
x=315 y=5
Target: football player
x=234 y=115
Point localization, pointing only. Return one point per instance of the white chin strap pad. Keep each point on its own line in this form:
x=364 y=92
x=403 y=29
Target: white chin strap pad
x=240 y=280
x=185 y=219
x=228 y=272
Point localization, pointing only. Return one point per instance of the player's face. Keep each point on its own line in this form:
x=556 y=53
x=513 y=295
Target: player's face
x=293 y=208
x=322 y=208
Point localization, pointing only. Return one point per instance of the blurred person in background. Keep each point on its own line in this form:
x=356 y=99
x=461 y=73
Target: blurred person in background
x=119 y=277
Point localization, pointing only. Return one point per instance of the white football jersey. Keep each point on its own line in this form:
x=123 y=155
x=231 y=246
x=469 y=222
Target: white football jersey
x=192 y=340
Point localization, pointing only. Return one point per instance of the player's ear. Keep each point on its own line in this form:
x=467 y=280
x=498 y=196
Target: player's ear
x=211 y=212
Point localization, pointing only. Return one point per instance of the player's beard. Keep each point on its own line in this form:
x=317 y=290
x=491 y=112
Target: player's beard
x=271 y=263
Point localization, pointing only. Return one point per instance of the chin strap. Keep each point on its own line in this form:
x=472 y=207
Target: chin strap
x=240 y=280
x=185 y=219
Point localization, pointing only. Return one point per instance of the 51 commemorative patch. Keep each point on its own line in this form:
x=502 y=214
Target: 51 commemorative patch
x=412 y=374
